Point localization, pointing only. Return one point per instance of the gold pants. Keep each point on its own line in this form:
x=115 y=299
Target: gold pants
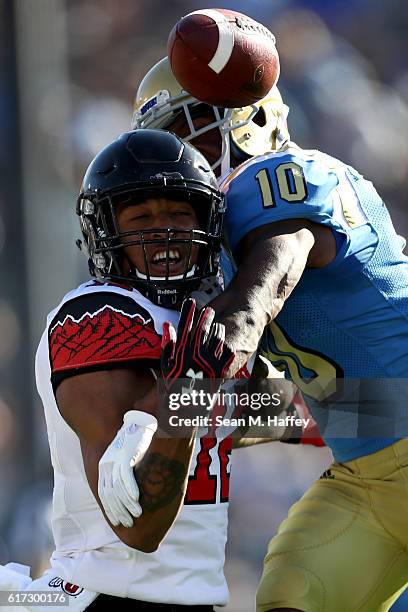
x=344 y=545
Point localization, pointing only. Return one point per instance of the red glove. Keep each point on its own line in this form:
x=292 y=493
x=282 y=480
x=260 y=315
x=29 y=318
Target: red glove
x=199 y=353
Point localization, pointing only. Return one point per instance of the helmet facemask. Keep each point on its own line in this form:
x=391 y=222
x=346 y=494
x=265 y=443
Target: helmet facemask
x=108 y=246
x=163 y=116
x=160 y=100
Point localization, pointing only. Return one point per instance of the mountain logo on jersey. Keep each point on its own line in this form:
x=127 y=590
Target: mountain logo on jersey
x=97 y=329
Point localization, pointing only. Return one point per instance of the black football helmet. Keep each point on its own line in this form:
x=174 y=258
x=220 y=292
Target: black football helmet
x=138 y=165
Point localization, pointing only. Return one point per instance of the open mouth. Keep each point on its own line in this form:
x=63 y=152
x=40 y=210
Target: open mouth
x=161 y=257
x=174 y=261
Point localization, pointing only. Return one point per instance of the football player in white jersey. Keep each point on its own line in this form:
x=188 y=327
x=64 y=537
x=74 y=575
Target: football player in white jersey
x=151 y=216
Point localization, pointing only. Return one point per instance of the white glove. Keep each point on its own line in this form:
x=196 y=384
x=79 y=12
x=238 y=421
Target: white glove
x=117 y=486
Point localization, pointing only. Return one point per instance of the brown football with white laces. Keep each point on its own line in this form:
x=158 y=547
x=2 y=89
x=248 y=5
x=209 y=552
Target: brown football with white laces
x=223 y=58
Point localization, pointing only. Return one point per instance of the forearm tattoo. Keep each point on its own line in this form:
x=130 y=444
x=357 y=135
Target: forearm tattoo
x=160 y=480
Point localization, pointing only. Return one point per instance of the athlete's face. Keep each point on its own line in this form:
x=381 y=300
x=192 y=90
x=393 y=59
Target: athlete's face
x=209 y=143
x=159 y=214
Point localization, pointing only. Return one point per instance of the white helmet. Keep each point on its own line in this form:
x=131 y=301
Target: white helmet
x=249 y=131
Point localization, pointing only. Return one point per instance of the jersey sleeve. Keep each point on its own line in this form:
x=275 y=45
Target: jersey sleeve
x=100 y=330
x=278 y=187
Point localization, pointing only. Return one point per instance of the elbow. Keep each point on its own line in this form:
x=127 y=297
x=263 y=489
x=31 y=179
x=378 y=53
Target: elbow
x=147 y=547
x=297 y=244
x=304 y=239
x=142 y=542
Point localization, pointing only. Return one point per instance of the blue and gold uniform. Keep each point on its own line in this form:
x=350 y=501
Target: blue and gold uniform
x=347 y=320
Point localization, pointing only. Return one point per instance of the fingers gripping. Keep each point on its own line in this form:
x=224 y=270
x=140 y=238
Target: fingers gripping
x=174 y=345
x=202 y=347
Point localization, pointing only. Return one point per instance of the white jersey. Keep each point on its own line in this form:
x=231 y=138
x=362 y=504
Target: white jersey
x=99 y=324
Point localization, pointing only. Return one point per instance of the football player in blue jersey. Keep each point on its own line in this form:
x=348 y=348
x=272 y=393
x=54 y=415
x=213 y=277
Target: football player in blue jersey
x=321 y=268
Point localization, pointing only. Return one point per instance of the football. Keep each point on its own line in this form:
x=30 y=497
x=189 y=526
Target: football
x=223 y=58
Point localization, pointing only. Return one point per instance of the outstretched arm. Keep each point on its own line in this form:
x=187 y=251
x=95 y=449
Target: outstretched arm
x=271 y=261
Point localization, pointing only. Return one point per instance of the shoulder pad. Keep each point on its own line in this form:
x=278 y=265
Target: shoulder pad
x=100 y=329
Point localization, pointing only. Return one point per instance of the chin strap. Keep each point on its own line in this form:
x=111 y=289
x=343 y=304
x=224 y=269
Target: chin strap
x=208 y=290
x=226 y=157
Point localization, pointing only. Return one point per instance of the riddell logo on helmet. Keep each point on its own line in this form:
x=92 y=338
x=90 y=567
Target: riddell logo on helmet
x=166 y=291
x=70 y=589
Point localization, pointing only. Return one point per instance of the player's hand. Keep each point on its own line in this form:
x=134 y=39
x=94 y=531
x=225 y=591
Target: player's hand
x=194 y=353
x=117 y=486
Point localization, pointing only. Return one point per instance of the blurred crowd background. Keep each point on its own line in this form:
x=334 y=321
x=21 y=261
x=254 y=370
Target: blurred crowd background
x=69 y=70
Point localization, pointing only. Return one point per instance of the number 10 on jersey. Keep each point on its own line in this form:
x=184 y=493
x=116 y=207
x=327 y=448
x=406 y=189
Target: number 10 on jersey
x=290 y=184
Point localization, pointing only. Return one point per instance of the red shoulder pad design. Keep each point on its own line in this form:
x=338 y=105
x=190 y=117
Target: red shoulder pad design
x=99 y=329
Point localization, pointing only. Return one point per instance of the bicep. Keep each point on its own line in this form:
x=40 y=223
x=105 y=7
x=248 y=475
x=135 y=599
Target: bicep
x=93 y=403
x=313 y=242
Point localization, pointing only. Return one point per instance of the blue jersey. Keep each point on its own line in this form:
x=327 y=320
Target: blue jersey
x=348 y=320
x=227 y=267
